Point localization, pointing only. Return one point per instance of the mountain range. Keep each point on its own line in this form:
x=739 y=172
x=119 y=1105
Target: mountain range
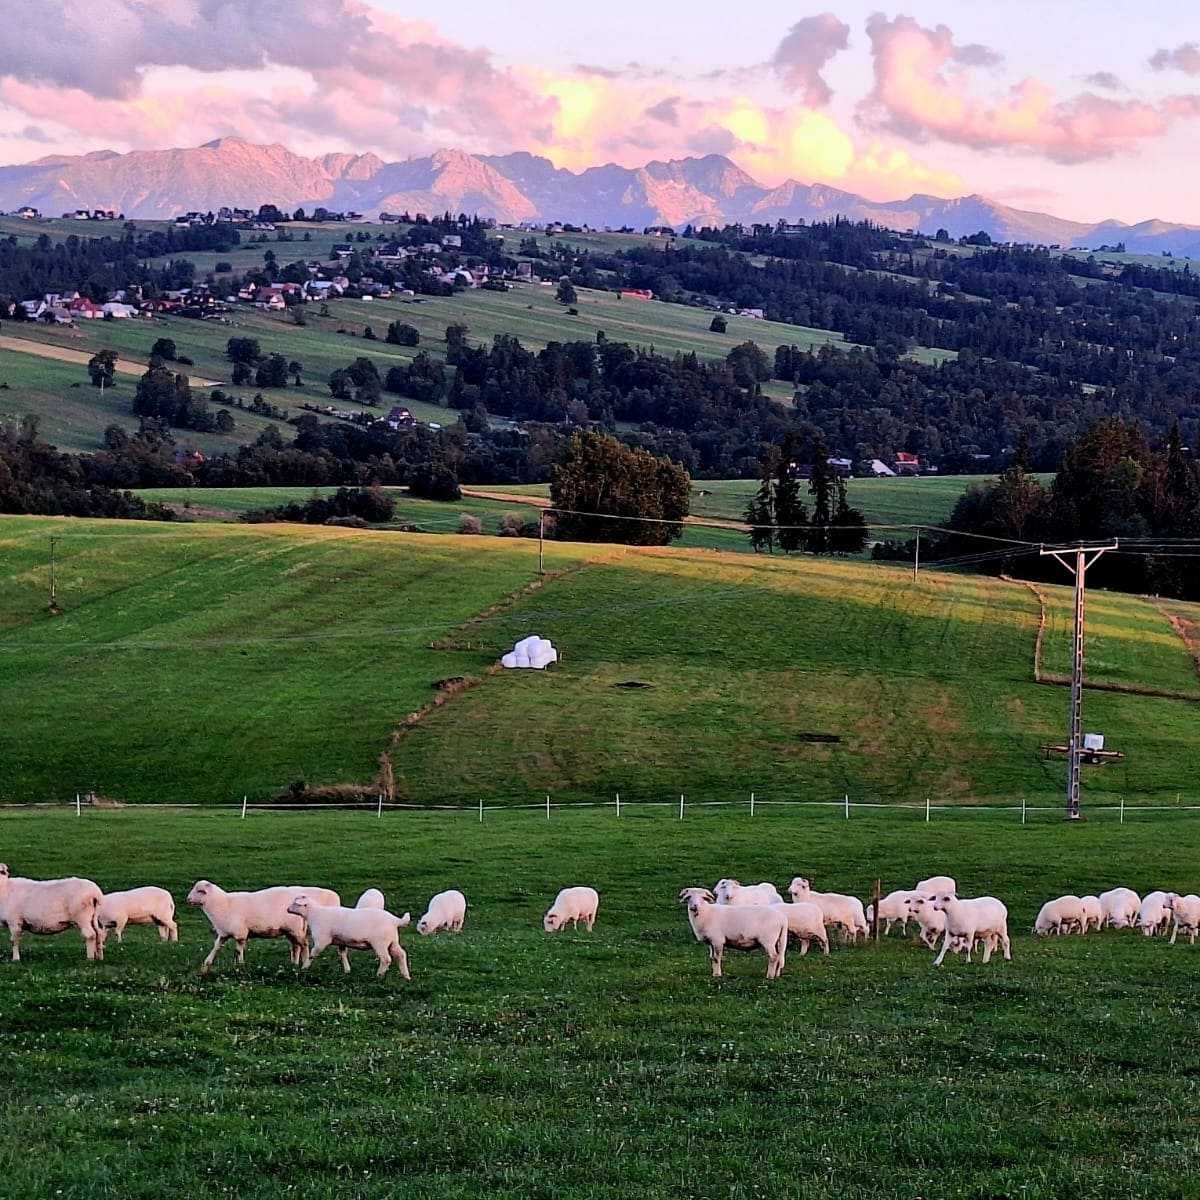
x=520 y=187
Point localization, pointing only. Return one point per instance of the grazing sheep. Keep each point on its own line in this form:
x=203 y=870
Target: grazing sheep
x=806 y=923
x=138 y=906
x=936 y=884
x=1185 y=915
x=371 y=898
x=1154 y=914
x=261 y=914
x=447 y=910
x=930 y=920
x=1120 y=907
x=743 y=927
x=729 y=891
x=572 y=906
x=984 y=919
x=353 y=929
x=1060 y=916
x=1093 y=914
x=845 y=912
x=893 y=908
x=47 y=906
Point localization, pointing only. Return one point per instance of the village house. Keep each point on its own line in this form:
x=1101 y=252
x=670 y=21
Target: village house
x=27 y=213
x=399 y=417
x=906 y=464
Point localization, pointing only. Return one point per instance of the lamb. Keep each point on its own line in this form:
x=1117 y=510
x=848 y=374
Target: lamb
x=447 y=910
x=261 y=914
x=371 y=898
x=352 y=929
x=984 y=919
x=1154 y=914
x=892 y=908
x=1060 y=916
x=730 y=891
x=1185 y=915
x=572 y=906
x=936 y=884
x=47 y=906
x=744 y=927
x=932 y=921
x=845 y=912
x=806 y=923
x=1120 y=907
x=1093 y=914
x=138 y=906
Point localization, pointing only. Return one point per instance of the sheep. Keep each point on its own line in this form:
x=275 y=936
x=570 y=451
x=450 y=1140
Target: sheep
x=932 y=921
x=1093 y=914
x=984 y=919
x=1120 y=907
x=138 y=906
x=371 y=898
x=353 y=929
x=806 y=923
x=846 y=912
x=935 y=884
x=261 y=914
x=744 y=927
x=1154 y=914
x=730 y=891
x=572 y=906
x=1060 y=916
x=447 y=910
x=1185 y=915
x=50 y=906
x=892 y=908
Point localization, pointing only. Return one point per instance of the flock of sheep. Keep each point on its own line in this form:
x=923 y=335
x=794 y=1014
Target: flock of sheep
x=730 y=916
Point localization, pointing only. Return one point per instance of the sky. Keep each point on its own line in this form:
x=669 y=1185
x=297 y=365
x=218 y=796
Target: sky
x=1088 y=110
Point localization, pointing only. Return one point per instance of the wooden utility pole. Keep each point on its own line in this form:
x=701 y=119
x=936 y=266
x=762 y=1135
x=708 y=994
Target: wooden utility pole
x=53 y=607
x=1075 y=713
x=541 y=541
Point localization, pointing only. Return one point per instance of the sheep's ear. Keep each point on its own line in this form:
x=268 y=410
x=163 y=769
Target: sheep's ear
x=707 y=895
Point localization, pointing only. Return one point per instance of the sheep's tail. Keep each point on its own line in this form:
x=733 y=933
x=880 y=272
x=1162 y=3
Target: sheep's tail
x=781 y=942
x=404 y=920
x=96 y=915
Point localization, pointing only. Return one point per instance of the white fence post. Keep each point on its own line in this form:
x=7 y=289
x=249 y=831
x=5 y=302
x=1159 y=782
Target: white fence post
x=926 y=810
x=1022 y=810
x=243 y=807
x=847 y=799
x=547 y=806
x=752 y=804
x=681 y=806
x=618 y=804
x=481 y=809
x=78 y=808
x=379 y=811
x=1122 y=808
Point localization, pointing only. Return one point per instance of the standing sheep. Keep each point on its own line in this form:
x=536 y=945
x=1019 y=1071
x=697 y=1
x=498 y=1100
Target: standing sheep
x=1093 y=914
x=893 y=909
x=730 y=891
x=1120 y=907
x=1060 y=916
x=447 y=910
x=806 y=923
x=744 y=927
x=572 y=906
x=46 y=906
x=932 y=921
x=352 y=929
x=1185 y=915
x=138 y=906
x=1154 y=913
x=967 y=921
x=844 y=912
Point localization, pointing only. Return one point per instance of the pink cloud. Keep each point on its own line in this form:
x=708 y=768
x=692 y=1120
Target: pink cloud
x=922 y=90
x=802 y=55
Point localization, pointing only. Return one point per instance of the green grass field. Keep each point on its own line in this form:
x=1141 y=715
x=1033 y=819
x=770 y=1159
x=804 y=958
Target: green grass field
x=203 y=662
x=521 y=1065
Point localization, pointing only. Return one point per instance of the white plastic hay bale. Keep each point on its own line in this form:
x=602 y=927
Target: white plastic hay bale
x=530 y=653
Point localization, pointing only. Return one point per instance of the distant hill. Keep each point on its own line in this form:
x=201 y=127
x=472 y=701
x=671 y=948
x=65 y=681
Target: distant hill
x=521 y=187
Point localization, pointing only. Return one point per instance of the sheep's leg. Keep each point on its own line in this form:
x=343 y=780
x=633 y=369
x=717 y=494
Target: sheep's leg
x=1174 y=933
x=397 y=952
x=803 y=947
x=318 y=944
x=591 y=921
x=119 y=930
x=715 y=954
x=344 y=955
x=937 y=962
x=93 y=945
x=241 y=949
x=173 y=929
x=825 y=946
x=988 y=944
x=14 y=933
x=385 y=961
x=206 y=965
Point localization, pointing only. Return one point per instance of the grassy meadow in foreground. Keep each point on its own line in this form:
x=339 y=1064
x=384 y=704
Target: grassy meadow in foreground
x=520 y=1065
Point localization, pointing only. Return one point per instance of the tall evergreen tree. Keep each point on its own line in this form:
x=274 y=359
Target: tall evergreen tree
x=760 y=512
x=821 y=486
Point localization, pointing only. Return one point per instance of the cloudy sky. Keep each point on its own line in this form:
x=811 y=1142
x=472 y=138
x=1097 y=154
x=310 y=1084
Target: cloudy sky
x=1088 y=109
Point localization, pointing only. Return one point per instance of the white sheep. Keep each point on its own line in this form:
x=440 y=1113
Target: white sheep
x=371 y=898
x=730 y=891
x=1060 y=916
x=967 y=921
x=893 y=908
x=936 y=885
x=743 y=927
x=1120 y=907
x=1093 y=914
x=930 y=920
x=1185 y=915
x=447 y=910
x=263 y=914
x=353 y=929
x=806 y=923
x=572 y=906
x=138 y=906
x=1154 y=913
x=845 y=912
x=45 y=906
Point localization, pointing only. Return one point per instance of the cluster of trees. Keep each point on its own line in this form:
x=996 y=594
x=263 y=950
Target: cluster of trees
x=358 y=505
x=252 y=366
x=167 y=397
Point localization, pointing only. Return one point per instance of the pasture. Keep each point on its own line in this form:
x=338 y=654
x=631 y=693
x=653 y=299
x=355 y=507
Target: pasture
x=201 y=662
x=516 y=1064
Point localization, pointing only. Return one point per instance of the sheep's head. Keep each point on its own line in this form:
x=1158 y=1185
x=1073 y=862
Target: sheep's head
x=3 y=870
x=552 y=922
x=917 y=904
x=300 y=906
x=725 y=889
x=694 y=897
x=424 y=925
x=799 y=887
x=200 y=892
x=941 y=901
